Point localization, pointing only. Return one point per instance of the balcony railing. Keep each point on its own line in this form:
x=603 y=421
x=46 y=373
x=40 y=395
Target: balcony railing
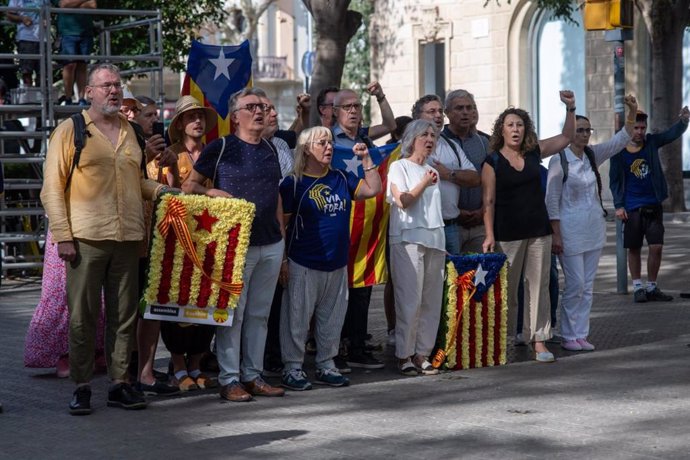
x=272 y=68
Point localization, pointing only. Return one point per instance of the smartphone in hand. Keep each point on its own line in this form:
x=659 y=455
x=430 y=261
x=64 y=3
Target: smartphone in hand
x=159 y=128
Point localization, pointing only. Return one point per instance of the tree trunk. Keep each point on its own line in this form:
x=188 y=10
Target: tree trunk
x=334 y=26
x=666 y=22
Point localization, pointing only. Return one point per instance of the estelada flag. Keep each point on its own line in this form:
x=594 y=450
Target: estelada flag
x=214 y=73
x=368 y=219
x=474 y=321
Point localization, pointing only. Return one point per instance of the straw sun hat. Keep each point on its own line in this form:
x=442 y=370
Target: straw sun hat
x=185 y=104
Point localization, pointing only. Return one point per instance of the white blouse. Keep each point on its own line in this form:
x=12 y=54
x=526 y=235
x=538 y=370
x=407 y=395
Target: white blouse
x=422 y=222
x=576 y=202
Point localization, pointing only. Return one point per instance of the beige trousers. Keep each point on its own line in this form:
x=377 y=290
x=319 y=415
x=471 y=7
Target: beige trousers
x=532 y=259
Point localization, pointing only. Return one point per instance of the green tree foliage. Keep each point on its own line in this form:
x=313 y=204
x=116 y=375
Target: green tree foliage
x=356 y=73
x=182 y=21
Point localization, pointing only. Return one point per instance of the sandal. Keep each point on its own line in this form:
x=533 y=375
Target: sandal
x=407 y=368
x=425 y=368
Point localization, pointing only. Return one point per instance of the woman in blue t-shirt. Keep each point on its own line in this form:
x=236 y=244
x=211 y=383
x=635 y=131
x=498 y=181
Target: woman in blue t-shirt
x=317 y=201
x=515 y=215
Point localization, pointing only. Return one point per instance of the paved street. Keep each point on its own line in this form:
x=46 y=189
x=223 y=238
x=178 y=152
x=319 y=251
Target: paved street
x=628 y=399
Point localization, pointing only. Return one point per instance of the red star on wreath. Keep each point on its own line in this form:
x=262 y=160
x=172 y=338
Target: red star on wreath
x=205 y=221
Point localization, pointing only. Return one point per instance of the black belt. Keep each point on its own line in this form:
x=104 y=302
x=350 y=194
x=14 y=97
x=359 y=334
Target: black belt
x=455 y=221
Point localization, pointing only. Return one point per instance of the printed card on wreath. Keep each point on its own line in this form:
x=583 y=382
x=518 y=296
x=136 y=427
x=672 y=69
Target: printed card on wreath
x=474 y=318
x=198 y=251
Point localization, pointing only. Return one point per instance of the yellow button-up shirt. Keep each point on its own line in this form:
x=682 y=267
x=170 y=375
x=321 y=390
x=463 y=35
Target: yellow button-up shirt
x=104 y=200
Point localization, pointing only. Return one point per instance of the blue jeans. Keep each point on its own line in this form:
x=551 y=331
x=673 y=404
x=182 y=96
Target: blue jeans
x=76 y=44
x=453 y=243
x=250 y=322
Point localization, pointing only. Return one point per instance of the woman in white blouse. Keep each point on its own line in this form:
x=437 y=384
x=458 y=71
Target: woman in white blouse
x=417 y=248
x=573 y=200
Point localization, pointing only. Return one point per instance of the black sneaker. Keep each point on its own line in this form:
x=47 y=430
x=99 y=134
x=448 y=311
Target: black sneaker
x=124 y=396
x=157 y=389
x=640 y=295
x=657 y=295
x=81 y=401
x=342 y=365
x=364 y=361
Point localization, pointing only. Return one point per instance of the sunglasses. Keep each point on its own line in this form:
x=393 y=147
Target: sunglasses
x=349 y=107
x=253 y=106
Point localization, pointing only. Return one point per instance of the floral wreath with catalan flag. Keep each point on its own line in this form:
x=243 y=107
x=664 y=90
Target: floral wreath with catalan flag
x=474 y=318
x=197 y=257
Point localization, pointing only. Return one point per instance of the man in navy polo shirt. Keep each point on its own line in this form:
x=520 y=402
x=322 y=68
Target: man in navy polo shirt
x=347 y=132
x=248 y=168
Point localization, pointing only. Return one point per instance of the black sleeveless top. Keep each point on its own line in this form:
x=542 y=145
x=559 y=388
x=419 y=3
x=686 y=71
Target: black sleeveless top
x=520 y=211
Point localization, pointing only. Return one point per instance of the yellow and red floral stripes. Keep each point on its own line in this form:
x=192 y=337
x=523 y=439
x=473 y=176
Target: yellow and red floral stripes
x=481 y=333
x=218 y=237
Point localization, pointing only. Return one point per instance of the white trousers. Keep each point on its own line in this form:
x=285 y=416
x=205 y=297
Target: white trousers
x=417 y=273
x=579 y=271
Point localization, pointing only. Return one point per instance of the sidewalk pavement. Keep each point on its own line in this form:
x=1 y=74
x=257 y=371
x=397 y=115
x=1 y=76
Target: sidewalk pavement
x=628 y=399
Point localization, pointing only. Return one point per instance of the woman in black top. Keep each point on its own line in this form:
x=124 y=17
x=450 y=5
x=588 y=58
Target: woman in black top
x=515 y=215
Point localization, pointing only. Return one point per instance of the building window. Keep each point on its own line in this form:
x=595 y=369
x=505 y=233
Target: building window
x=432 y=70
x=560 y=58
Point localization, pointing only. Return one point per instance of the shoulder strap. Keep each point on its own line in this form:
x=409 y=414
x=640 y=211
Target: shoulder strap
x=452 y=146
x=564 y=165
x=141 y=140
x=271 y=146
x=79 y=139
x=222 y=150
x=593 y=164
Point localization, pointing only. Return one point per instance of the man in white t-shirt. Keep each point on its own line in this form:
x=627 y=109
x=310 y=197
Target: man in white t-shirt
x=454 y=168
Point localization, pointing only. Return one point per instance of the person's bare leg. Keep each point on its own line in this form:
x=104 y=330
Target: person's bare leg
x=654 y=262
x=147 y=340
x=68 y=75
x=80 y=77
x=634 y=263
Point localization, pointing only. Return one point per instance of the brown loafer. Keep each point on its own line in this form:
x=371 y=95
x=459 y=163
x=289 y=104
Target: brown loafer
x=234 y=392
x=260 y=388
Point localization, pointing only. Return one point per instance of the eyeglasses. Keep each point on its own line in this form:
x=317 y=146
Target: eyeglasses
x=584 y=130
x=108 y=86
x=323 y=143
x=270 y=108
x=349 y=107
x=433 y=111
x=251 y=107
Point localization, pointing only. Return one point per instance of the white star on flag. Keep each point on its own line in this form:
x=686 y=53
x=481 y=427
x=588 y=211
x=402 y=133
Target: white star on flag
x=479 y=275
x=353 y=164
x=222 y=64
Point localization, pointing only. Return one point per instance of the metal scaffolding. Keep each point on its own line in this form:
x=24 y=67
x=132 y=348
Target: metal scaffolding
x=22 y=218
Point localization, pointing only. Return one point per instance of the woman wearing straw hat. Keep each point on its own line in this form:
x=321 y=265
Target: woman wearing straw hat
x=186 y=342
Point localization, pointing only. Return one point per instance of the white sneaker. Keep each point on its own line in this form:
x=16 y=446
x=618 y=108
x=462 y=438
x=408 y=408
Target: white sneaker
x=391 y=338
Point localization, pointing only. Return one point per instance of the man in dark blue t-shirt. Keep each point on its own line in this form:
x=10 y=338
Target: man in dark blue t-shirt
x=639 y=187
x=243 y=165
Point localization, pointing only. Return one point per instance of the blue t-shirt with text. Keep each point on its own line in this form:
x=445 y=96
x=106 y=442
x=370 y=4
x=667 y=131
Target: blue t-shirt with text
x=251 y=172
x=318 y=234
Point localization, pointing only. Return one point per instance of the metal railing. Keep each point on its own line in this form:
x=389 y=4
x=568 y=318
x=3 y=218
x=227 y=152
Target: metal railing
x=22 y=219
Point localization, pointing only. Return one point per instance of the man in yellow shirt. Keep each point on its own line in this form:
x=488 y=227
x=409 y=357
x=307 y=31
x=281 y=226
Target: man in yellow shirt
x=97 y=220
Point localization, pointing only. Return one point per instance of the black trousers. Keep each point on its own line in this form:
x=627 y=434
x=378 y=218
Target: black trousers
x=355 y=326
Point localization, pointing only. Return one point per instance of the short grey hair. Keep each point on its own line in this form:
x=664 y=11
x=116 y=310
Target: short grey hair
x=232 y=103
x=457 y=93
x=102 y=66
x=414 y=129
x=342 y=94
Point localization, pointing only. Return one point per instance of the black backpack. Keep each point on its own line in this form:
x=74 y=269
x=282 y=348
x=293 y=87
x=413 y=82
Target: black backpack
x=80 y=135
x=589 y=153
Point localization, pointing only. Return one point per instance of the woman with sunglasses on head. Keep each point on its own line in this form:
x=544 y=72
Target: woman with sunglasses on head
x=515 y=215
x=576 y=212
x=316 y=201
